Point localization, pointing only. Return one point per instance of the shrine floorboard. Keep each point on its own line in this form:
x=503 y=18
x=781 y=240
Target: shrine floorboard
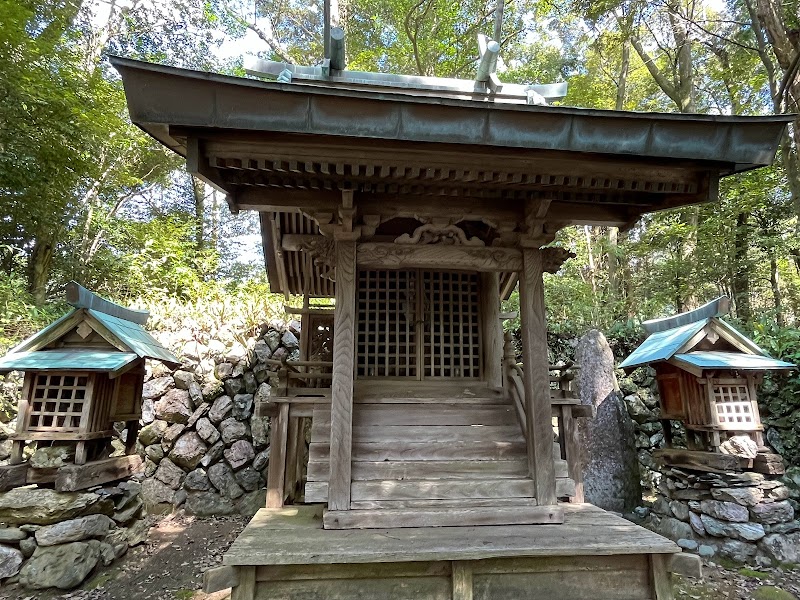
x=286 y=554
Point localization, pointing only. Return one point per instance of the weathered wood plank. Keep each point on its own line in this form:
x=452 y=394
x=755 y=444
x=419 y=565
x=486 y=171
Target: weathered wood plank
x=342 y=384
x=429 y=433
x=701 y=461
x=246 y=590
x=586 y=531
x=439 y=503
x=537 y=378
x=442 y=517
x=374 y=451
x=428 y=489
x=563 y=564
x=414 y=469
x=493 y=329
x=414 y=414
x=220 y=578
x=566 y=585
x=291 y=475
x=453 y=392
x=71 y=478
x=277 y=461
x=411 y=588
x=572 y=450
x=462 y=580
x=433 y=256
x=360 y=571
x=660 y=580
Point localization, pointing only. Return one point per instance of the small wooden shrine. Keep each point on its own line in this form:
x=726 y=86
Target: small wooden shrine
x=83 y=373
x=418 y=204
x=707 y=373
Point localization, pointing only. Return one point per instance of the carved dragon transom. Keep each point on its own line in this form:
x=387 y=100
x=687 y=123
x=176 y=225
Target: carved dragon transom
x=447 y=235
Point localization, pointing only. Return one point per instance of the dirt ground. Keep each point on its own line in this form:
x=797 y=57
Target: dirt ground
x=170 y=566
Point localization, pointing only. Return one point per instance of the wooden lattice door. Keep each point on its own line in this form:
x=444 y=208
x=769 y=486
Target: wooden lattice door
x=418 y=324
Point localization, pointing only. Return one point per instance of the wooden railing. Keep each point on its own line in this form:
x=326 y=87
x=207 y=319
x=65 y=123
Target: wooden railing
x=566 y=408
x=301 y=377
x=298 y=386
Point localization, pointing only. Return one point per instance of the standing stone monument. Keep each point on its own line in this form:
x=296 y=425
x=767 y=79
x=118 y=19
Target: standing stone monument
x=610 y=465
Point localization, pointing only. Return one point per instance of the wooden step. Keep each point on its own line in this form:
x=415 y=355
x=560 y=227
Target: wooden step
x=387 y=391
x=442 y=517
x=457 y=503
x=427 y=489
x=410 y=414
x=433 y=469
x=420 y=469
x=375 y=451
x=428 y=433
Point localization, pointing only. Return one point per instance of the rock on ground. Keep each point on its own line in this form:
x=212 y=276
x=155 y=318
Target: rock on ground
x=611 y=466
x=41 y=506
x=74 y=530
x=10 y=561
x=63 y=566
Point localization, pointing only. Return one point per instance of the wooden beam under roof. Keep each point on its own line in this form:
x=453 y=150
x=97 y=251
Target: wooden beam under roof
x=197 y=164
x=394 y=205
x=427 y=156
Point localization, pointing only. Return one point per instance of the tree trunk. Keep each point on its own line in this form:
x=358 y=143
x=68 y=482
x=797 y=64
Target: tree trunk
x=622 y=80
x=39 y=266
x=198 y=189
x=740 y=282
x=774 y=280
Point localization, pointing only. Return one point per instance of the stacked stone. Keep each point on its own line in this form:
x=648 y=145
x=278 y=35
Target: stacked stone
x=202 y=444
x=745 y=517
x=640 y=393
x=52 y=539
x=10 y=392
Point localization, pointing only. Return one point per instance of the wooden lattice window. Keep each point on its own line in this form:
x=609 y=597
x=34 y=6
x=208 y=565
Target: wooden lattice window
x=733 y=407
x=58 y=402
x=387 y=334
x=452 y=344
x=418 y=324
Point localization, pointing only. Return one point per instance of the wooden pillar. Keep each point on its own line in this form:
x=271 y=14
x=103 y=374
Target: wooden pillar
x=537 y=377
x=342 y=383
x=493 y=331
x=276 y=475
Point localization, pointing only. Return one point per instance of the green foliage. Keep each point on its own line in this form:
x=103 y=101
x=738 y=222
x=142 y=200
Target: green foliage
x=19 y=316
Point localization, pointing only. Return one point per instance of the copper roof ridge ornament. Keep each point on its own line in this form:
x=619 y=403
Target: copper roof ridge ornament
x=485 y=87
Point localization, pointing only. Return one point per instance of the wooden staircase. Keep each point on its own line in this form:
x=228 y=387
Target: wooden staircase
x=431 y=457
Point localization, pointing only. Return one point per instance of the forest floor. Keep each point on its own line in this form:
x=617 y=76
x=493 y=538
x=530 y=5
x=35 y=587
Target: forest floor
x=179 y=548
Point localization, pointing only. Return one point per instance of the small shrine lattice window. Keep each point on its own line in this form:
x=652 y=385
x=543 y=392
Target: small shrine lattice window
x=58 y=402
x=733 y=405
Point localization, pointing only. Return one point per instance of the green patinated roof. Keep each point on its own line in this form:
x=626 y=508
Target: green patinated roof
x=731 y=360
x=66 y=360
x=135 y=337
x=662 y=345
x=666 y=345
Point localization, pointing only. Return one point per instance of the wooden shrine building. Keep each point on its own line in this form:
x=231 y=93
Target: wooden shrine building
x=418 y=208
x=83 y=373
x=707 y=372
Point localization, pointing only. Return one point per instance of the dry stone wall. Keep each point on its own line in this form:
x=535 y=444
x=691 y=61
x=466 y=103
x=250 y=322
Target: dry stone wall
x=204 y=448
x=745 y=517
x=52 y=539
